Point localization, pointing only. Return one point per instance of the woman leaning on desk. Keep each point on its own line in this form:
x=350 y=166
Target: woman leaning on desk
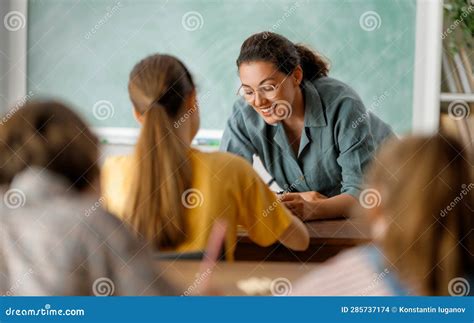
x=302 y=125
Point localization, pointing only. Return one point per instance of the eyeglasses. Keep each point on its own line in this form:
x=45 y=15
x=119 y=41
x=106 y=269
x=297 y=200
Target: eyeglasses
x=266 y=91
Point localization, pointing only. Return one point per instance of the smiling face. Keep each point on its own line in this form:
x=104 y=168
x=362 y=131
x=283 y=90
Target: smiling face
x=260 y=78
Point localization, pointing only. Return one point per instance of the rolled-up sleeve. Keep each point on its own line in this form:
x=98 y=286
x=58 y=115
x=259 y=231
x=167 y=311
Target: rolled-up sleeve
x=236 y=138
x=356 y=144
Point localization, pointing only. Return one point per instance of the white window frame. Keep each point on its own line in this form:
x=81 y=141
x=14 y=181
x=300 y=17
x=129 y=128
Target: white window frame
x=427 y=68
x=13 y=55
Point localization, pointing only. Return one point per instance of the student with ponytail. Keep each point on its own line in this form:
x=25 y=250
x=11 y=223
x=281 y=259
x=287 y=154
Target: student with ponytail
x=172 y=194
x=304 y=126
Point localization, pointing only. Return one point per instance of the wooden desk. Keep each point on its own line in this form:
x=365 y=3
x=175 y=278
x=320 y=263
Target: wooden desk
x=327 y=238
x=225 y=276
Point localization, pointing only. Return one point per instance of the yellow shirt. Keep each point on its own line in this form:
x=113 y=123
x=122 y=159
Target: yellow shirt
x=223 y=186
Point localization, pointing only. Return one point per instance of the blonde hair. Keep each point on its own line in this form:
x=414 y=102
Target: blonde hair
x=159 y=86
x=425 y=186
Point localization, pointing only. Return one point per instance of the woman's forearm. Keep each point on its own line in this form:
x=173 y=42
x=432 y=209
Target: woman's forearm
x=333 y=207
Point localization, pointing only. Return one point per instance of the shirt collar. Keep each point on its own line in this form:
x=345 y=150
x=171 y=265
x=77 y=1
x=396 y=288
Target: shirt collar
x=314 y=114
x=313 y=117
x=37 y=185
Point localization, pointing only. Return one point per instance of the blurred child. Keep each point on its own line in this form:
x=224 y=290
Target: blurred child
x=55 y=239
x=419 y=200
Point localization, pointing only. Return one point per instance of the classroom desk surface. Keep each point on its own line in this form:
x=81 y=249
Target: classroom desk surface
x=327 y=238
x=238 y=278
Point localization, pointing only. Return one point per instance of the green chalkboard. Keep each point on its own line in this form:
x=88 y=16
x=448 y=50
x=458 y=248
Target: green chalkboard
x=82 y=51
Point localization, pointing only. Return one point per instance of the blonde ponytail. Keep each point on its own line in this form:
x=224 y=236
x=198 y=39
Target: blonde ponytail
x=161 y=178
x=158 y=87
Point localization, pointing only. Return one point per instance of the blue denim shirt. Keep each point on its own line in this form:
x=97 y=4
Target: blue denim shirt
x=338 y=140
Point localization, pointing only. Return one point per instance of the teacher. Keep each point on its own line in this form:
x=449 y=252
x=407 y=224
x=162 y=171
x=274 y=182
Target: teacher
x=311 y=132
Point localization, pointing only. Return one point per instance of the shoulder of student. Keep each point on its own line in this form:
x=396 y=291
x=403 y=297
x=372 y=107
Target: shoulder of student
x=117 y=161
x=76 y=220
x=224 y=163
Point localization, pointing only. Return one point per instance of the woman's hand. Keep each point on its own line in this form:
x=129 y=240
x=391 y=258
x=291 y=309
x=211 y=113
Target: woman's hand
x=304 y=205
x=315 y=206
